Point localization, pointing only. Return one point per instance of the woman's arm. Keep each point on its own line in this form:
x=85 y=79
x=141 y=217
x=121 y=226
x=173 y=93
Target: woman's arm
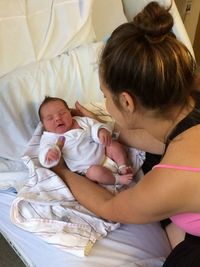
x=160 y=194
x=151 y=199
x=143 y=203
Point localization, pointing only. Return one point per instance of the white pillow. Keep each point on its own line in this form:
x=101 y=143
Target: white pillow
x=44 y=29
x=36 y=30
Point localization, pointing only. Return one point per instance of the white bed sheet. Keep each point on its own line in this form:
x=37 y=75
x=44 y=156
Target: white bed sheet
x=128 y=246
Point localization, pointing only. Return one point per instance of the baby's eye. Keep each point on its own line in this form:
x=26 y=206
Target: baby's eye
x=61 y=113
x=49 y=118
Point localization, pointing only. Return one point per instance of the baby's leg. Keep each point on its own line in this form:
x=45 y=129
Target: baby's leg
x=117 y=152
x=103 y=175
x=100 y=174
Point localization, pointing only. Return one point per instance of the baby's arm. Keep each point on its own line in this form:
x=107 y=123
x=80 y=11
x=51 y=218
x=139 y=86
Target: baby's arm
x=100 y=132
x=105 y=137
x=49 y=152
x=49 y=156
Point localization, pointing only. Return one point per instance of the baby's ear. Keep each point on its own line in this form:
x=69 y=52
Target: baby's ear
x=60 y=142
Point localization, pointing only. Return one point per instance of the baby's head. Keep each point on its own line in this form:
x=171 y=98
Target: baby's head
x=55 y=115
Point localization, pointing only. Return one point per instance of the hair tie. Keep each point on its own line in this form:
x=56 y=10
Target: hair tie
x=155 y=39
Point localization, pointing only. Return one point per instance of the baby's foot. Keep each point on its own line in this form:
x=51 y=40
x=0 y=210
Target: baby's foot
x=124 y=169
x=123 y=179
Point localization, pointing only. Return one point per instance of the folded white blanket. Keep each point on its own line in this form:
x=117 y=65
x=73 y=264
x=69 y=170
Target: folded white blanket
x=46 y=207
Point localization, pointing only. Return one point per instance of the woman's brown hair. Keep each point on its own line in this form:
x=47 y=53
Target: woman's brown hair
x=145 y=59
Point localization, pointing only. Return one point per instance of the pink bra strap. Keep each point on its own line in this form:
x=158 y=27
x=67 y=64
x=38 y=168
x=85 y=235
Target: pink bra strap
x=176 y=167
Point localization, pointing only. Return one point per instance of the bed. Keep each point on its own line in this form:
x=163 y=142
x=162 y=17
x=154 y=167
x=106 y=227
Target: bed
x=51 y=48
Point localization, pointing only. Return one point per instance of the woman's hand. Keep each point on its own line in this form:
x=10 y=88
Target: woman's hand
x=79 y=110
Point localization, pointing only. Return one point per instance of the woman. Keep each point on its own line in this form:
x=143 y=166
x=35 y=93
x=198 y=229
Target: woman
x=148 y=79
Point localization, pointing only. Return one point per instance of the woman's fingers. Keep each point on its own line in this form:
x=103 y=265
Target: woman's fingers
x=60 y=142
x=84 y=111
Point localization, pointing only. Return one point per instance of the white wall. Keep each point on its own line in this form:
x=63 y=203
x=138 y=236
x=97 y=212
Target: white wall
x=191 y=19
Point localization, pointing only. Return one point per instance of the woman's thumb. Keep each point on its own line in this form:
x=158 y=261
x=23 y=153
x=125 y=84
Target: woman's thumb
x=80 y=108
x=60 y=142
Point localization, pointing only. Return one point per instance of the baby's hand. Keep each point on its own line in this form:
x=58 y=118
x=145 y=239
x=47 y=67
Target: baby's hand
x=105 y=137
x=52 y=155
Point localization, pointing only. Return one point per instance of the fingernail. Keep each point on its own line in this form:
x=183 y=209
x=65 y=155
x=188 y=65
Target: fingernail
x=62 y=139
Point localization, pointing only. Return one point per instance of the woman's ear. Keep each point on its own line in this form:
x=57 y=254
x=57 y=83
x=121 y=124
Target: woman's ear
x=127 y=102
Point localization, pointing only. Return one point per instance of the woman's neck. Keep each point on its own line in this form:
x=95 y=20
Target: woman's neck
x=161 y=128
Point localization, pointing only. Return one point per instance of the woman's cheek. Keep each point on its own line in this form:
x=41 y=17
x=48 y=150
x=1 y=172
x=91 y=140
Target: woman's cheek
x=107 y=106
x=112 y=111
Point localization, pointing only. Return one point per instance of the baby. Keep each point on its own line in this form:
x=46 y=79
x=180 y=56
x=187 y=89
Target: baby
x=88 y=148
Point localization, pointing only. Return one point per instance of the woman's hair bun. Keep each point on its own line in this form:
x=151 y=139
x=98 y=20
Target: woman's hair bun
x=154 y=21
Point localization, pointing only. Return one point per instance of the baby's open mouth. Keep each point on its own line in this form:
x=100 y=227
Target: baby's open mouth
x=60 y=125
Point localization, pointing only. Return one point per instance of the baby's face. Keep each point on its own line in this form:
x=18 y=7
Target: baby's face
x=56 y=117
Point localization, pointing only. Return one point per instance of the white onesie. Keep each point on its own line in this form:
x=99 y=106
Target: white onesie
x=82 y=147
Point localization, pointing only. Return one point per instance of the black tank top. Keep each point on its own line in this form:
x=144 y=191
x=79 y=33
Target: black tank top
x=192 y=119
